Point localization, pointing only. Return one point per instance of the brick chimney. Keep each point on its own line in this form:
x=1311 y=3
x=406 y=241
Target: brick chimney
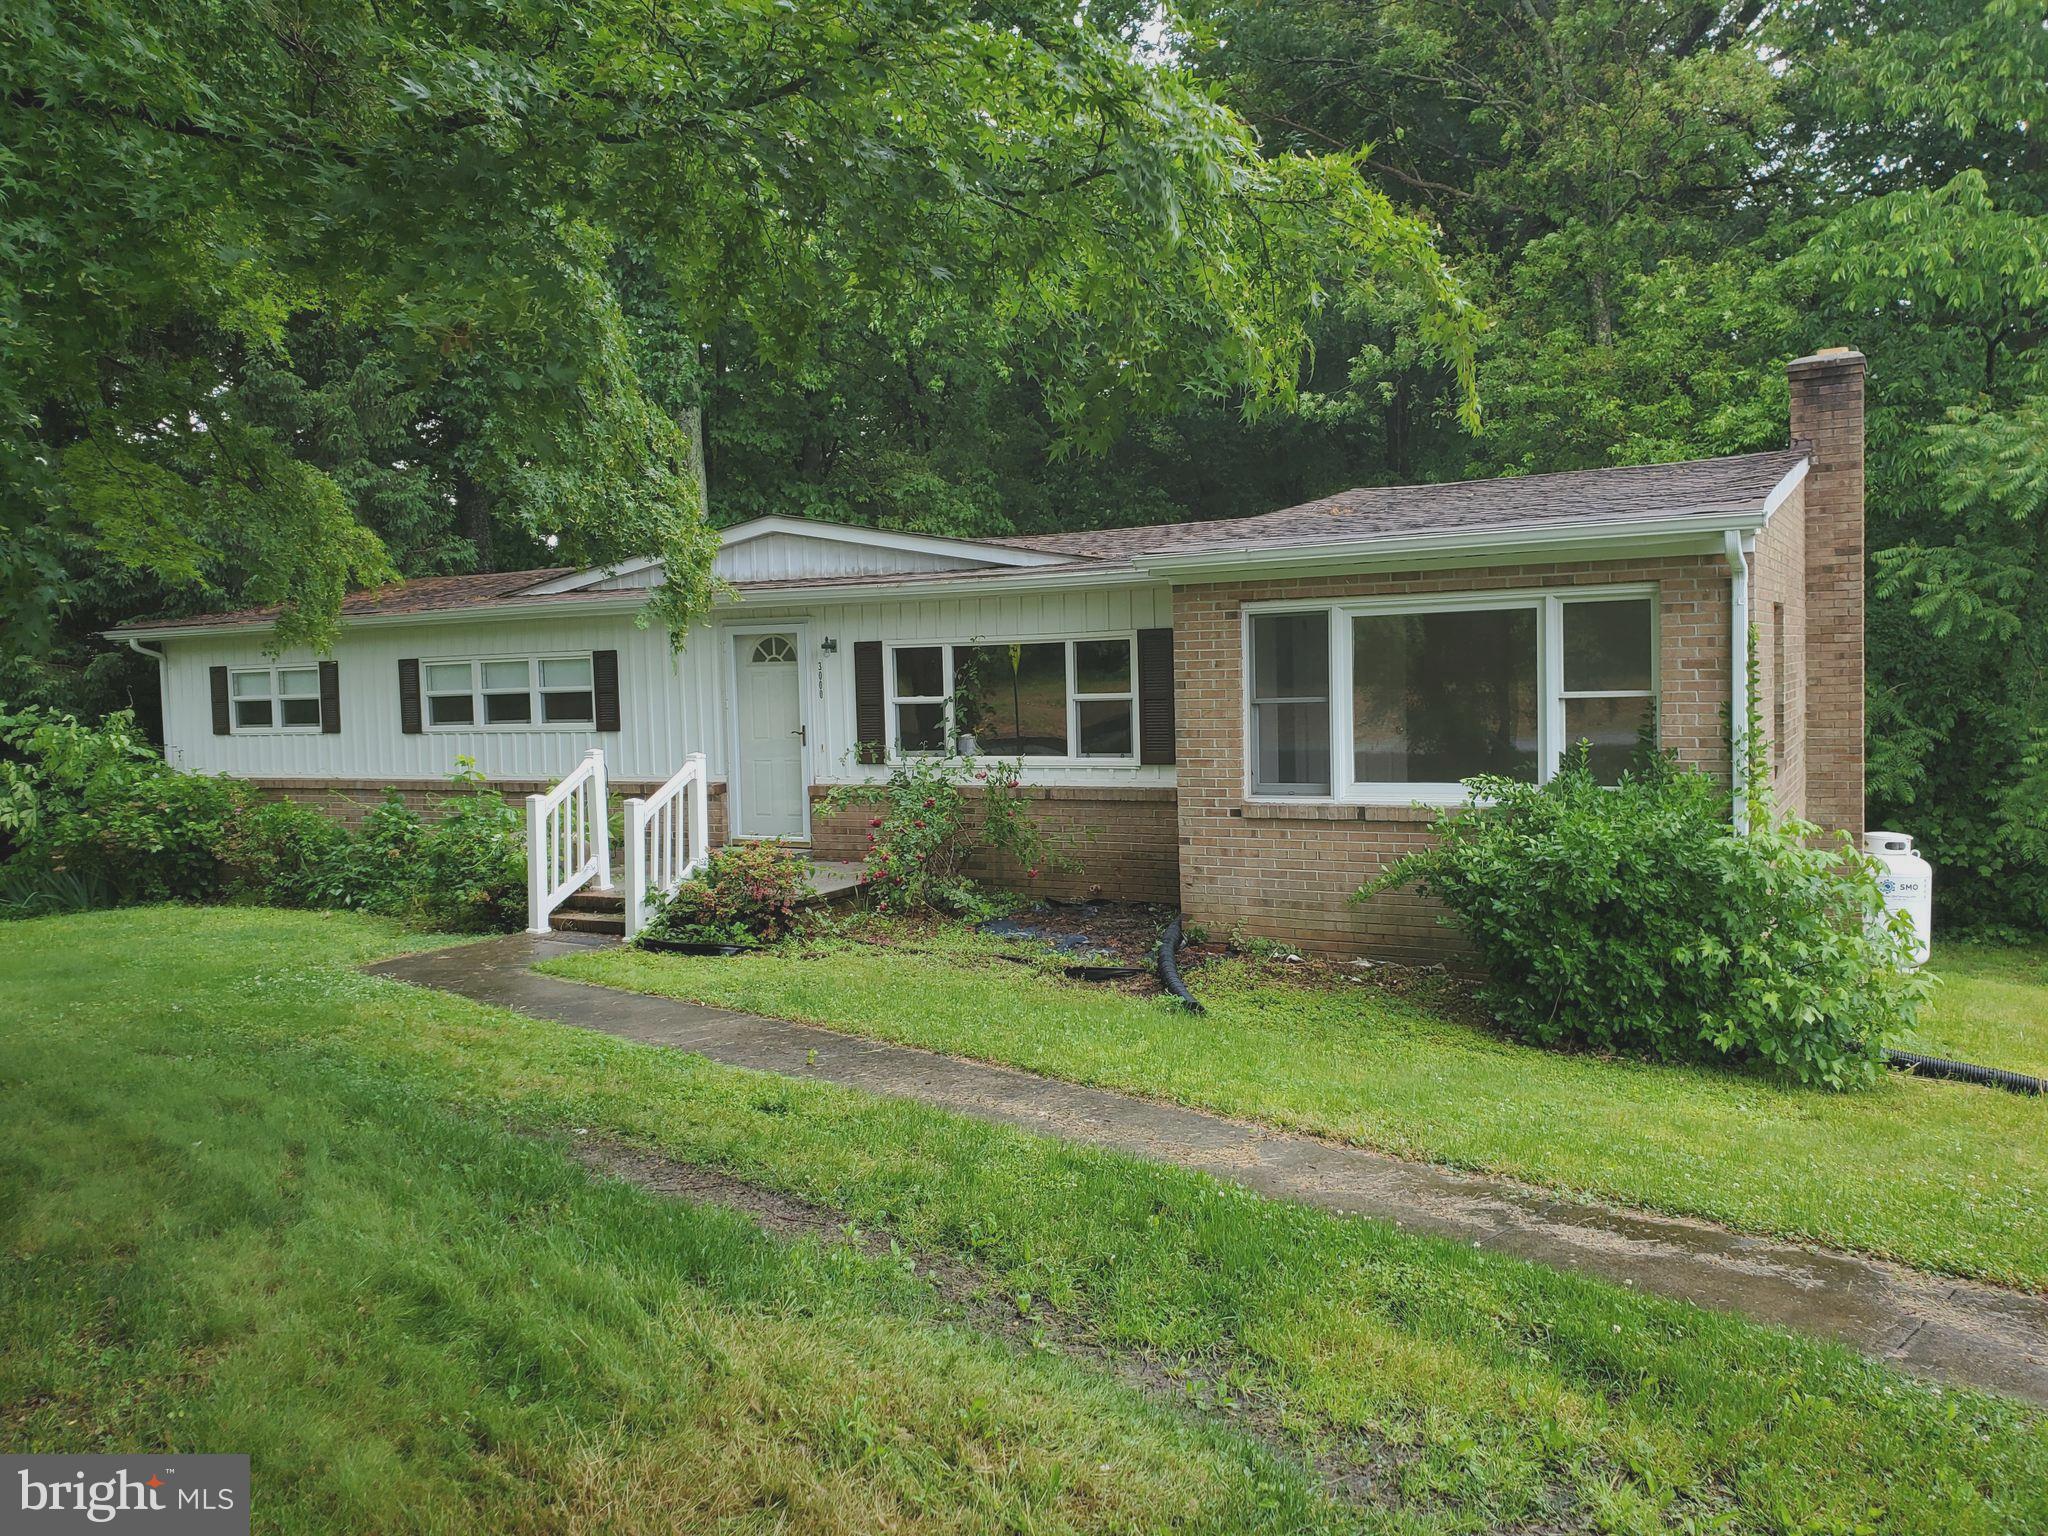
x=1827 y=421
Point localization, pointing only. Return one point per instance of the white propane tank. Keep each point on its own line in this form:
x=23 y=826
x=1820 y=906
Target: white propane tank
x=1907 y=881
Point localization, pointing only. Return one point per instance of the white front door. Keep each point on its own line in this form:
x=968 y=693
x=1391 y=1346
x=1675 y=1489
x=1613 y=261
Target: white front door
x=768 y=701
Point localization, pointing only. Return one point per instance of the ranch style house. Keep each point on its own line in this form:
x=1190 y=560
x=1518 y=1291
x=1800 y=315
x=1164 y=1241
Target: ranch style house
x=1246 y=718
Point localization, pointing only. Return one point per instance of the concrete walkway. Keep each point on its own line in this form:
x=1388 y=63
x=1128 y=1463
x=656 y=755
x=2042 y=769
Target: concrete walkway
x=1956 y=1331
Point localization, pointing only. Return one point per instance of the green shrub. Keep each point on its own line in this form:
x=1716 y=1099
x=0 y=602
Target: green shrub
x=471 y=862
x=1637 y=918
x=92 y=815
x=30 y=891
x=382 y=860
x=97 y=803
x=926 y=830
x=287 y=855
x=748 y=893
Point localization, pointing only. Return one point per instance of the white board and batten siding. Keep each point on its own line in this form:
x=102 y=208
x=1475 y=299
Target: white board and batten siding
x=659 y=707
x=1080 y=613
x=670 y=703
x=792 y=556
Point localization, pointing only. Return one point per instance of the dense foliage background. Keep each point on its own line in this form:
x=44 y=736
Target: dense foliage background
x=298 y=295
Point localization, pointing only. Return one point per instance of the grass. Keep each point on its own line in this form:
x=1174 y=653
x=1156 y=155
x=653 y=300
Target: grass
x=289 y=1209
x=1940 y=1175
x=227 y=1230
x=1991 y=1008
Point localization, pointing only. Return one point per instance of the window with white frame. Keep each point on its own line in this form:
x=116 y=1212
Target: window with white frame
x=1430 y=693
x=1070 y=700
x=1608 y=677
x=275 y=698
x=509 y=691
x=1291 y=703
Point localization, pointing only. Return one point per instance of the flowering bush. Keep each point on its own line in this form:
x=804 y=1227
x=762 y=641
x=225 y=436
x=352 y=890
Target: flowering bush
x=1638 y=918
x=749 y=893
x=925 y=829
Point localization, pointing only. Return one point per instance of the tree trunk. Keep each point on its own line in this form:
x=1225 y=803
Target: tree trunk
x=473 y=517
x=693 y=429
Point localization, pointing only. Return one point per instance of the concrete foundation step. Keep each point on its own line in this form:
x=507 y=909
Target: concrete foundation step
x=591 y=911
x=610 y=923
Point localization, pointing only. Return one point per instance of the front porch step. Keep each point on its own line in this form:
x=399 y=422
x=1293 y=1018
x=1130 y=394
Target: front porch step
x=612 y=924
x=591 y=910
x=834 y=880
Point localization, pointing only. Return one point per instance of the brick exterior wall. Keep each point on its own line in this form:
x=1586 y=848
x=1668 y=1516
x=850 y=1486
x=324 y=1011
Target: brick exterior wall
x=1123 y=842
x=349 y=800
x=1286 y=872
x=1827 y=418
x=1777 y=598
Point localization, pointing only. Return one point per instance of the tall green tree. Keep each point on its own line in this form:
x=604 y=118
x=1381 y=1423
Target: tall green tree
x=1934 y=260
x=190 y=192
x=1654 y=204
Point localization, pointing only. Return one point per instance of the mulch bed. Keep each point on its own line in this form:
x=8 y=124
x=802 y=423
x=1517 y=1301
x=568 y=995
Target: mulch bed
x=1108 y=932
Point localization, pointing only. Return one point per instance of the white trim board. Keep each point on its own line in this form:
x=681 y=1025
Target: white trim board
x=972 y=551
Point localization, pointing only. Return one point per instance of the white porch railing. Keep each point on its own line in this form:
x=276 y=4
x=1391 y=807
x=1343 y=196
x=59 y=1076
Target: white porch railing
x=568 y=841
x=668 y=837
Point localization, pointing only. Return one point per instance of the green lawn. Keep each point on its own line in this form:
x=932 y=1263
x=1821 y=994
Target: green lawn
x=1946 y=1176
x=1991 y=1008
x=237 y=1218
x=280 y=1207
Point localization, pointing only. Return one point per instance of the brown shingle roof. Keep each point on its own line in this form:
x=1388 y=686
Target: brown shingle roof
x=1642 y=492
x=1586 y=495
x=423 y=594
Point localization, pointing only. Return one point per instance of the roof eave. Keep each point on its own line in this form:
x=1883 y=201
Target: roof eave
x=993 y=553
x=615 y=601
x=1595 y=539
x=1694 y=533
x=1012 y=579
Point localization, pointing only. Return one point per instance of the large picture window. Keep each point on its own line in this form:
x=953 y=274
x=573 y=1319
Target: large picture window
x=1428 y=694
x=1439 y=697
x=1069 y=700
x=509 y=691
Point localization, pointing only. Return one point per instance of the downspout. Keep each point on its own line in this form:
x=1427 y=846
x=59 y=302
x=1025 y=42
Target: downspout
x=163 y=703
x=1738 y=676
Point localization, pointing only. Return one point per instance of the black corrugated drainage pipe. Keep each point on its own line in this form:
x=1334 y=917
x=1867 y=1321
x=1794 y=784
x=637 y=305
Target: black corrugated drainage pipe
x=1169 y=965
x=1963 y=1072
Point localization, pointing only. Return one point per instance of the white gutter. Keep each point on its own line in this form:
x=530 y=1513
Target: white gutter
x=1556 y=540
x=579 y=608
x=1737 y=549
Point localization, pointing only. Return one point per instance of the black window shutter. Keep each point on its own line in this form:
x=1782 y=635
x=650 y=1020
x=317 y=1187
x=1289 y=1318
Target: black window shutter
x=218 y=677
x=870 y=728
x=604 y=681
x=409 y=695
x=1155 y=695
x=330 y=699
